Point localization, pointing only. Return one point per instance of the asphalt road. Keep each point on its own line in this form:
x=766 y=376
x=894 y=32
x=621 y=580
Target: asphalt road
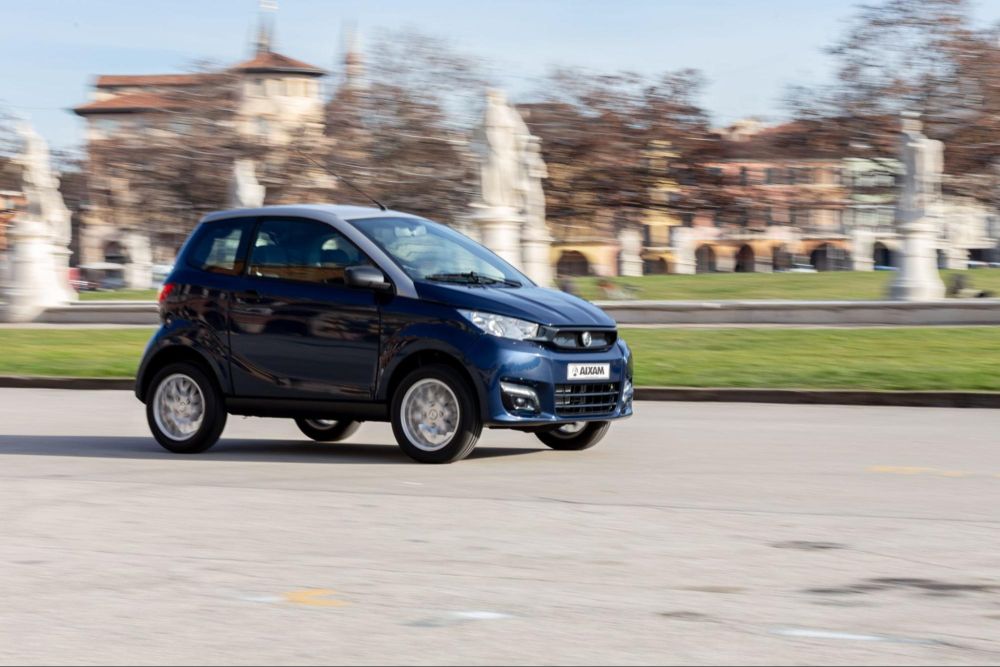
x=695 y=533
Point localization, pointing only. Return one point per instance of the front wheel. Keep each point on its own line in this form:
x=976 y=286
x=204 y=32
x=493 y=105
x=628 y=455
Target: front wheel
x=434 y=415
x=575 y=436
x=184 y=409
x=327 y=430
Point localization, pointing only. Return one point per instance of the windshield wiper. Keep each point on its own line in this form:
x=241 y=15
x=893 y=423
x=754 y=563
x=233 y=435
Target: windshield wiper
x=472 y=278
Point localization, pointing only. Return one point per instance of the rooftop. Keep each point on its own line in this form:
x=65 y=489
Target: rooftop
x=269 y=61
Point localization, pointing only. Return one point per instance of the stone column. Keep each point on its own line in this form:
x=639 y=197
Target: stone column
x=682 y=247
x=918 y=278
x=631 y=248
x=862 y=249
x=139 y=270
x=725 y=258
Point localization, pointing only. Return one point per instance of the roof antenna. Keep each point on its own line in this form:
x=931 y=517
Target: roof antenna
x=341 y=178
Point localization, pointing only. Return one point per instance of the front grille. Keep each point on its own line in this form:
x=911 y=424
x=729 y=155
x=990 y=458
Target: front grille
x=586 y=399
x=573 y=339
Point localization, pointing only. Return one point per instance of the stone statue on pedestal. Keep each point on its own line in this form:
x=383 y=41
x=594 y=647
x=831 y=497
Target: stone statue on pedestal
x=510 y=206
x=39 y=238
x=244 y=190
x=918 y=215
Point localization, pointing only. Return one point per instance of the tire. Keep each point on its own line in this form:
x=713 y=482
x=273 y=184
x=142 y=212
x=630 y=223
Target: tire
x=189 y=383
x=563 y=438
x=327 y=430
x=435 y=434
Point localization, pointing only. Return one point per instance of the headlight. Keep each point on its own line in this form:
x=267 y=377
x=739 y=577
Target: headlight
x=500 y=325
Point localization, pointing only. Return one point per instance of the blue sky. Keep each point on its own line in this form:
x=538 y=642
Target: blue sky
x=748 y=50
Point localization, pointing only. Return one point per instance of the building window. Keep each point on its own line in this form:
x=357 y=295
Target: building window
x=263 y=127
x=743 y=176
x=687 y=219
x=771 y=176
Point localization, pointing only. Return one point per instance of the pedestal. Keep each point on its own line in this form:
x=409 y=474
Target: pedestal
x=682 y=248
x=630 y=263
x=918 y=278
x=500 y=231
x=36 y=277
x=537 y=253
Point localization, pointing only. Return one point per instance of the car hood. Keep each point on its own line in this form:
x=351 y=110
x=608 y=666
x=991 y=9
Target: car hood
x=537 y=304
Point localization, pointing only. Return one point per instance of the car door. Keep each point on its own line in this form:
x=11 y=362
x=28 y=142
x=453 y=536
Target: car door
x=297 y=331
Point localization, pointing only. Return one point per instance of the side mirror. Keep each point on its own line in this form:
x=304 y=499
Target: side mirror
x=366 y=277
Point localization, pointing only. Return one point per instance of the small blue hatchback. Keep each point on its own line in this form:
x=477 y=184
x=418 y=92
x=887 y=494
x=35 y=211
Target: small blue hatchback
x=335 y=315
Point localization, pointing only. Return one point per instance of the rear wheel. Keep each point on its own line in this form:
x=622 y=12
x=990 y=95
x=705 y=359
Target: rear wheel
x=434 y=415
x=327 y=430
x=575 y=436
x=184 y=409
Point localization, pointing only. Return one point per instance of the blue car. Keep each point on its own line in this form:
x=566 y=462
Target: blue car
x=335 y=315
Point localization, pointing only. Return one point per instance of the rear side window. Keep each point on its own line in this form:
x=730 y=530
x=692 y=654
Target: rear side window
x=220 y=247
x=303 y=250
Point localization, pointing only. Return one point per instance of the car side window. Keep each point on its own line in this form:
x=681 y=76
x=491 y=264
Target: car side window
x=221 y=246
x=303 y=250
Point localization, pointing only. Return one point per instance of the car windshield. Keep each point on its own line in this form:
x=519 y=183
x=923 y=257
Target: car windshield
x=427 y=250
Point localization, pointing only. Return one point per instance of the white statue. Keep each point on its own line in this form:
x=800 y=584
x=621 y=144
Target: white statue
x=41 y=187
x=244 y=190
x=498 y=143
x=38 y=271
x=918 y=215
x=923 y=163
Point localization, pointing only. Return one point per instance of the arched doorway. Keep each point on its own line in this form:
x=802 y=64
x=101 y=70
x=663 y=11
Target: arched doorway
x=704 y=258
x=115 y=253
x=655 y=267
x=744 y=260
x=822 y=258
x=882 y=256
x=572 y=263
x=781 y=259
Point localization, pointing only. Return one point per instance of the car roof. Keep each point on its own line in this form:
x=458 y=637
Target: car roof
x=342 y=211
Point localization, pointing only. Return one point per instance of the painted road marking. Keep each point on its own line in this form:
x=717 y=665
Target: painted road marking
x=916 y=470
x=314 y=597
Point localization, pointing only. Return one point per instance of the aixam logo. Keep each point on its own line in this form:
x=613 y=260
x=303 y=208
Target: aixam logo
x=591 y=371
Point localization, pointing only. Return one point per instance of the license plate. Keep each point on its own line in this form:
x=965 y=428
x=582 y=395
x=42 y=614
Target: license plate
x=588 y=372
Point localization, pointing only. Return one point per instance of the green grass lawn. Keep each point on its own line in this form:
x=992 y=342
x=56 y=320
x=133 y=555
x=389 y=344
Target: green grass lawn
x=915 y=358
x=72 y=352
x=927 y=358
x=120 y=295
x=828 y=285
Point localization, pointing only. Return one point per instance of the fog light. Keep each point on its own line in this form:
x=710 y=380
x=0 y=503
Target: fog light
x=627 y=391
x=519 y=399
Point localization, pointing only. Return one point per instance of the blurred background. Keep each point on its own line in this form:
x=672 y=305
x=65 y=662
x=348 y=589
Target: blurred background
x=665 y=151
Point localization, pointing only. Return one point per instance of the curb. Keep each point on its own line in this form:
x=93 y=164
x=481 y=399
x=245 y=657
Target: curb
x=39 y=382
x=926 y=399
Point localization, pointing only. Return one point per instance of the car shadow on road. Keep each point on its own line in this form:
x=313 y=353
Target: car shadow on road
x=229 y=450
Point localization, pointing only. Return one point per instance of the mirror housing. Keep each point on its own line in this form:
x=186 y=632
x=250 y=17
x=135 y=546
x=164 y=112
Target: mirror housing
x=368 y=277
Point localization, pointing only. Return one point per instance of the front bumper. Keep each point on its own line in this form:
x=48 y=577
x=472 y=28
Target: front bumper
x=503 y=364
